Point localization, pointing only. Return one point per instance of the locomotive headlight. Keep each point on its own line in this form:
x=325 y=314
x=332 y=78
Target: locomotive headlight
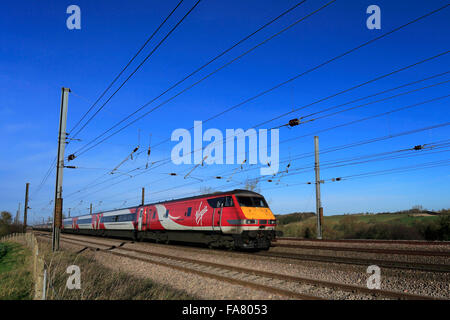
x=248 y=221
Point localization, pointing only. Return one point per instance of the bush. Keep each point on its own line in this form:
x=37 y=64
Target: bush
x=439 y=230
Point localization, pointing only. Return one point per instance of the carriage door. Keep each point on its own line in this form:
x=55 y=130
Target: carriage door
x=140 y=218
x=220 y=209
x=217 y=214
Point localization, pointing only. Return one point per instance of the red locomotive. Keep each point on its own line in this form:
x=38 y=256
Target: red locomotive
x=233 y=219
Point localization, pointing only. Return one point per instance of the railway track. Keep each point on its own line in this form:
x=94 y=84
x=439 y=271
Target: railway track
x=238 y=275
x=367 y=250
x=429 y=267
x=371 y=241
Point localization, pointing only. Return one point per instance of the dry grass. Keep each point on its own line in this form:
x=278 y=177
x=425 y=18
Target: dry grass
x=98 y=282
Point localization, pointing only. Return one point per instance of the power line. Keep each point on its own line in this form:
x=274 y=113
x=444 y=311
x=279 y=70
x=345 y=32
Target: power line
x=299 y=75
x=380 y=100
x=327 y=62
x=80 y=151
x=127 y=65
x=414 y=20
x=338 y=93
x=377 y=78
x=369 y=118
x=46 y=176
x=328 y=150
x=341 y=125
x=355 y=100
x=347 y=123
x=351 y=145
x=137 y=68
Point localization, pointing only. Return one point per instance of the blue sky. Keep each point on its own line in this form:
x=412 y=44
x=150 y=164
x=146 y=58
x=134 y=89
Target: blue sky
x=39 y=55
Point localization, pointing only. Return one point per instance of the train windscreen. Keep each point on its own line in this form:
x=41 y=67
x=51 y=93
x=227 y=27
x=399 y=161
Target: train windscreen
x=258 y=202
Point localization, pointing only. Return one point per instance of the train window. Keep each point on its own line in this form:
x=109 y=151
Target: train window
x=214 y=203
x=217 y=202
x=189 y=210
x=154 y=214
x=167 y=213
x=252 y=202
x=259 y=202
x=229 y=202
x=245 y=201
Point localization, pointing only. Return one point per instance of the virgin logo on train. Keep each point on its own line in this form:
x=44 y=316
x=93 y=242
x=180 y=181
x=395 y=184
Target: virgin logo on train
x=199 y=214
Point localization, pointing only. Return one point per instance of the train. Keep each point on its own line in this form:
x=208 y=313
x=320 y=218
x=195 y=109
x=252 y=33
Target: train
x=237 y=219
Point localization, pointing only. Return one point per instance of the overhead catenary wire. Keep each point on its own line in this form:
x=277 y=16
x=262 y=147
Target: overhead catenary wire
x=428 y=59
x=358 y=99
x=352 y=88
x=362 y=175
x=369 y=118
x=331 y=149
x=46 y=176
x=351 y=122
x=138 y=67
x=371 y=102
x=126 y=66
x=291 y=79
x=83 y=149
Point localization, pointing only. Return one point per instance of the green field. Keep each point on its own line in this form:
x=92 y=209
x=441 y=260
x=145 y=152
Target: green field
x=394 y=226
x=15 y=272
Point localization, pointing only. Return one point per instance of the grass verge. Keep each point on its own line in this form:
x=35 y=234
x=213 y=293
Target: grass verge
x=16 y=280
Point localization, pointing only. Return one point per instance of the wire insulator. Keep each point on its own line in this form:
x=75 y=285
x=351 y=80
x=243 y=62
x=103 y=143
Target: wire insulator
x=294 y=122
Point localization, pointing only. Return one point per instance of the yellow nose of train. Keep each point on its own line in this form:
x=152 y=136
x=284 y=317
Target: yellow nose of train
x=257 y=213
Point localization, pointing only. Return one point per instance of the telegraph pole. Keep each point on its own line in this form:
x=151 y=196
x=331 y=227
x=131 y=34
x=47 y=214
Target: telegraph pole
x=143 y=196
x=25 y=209
x=319 y=209
x=57 y=216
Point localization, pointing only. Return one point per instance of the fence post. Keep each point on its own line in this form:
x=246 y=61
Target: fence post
x=44 y=286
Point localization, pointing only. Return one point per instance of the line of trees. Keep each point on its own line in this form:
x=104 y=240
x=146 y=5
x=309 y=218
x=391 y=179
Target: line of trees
x=7 y=225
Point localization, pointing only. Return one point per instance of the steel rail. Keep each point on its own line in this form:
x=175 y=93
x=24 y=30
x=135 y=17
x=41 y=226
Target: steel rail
x=253 y=285
x=260 y=273
x=428 y=267
x=371 y=241
x=367 y=250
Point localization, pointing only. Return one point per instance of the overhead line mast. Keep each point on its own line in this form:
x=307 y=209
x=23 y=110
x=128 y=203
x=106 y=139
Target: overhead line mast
x=57 y=216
